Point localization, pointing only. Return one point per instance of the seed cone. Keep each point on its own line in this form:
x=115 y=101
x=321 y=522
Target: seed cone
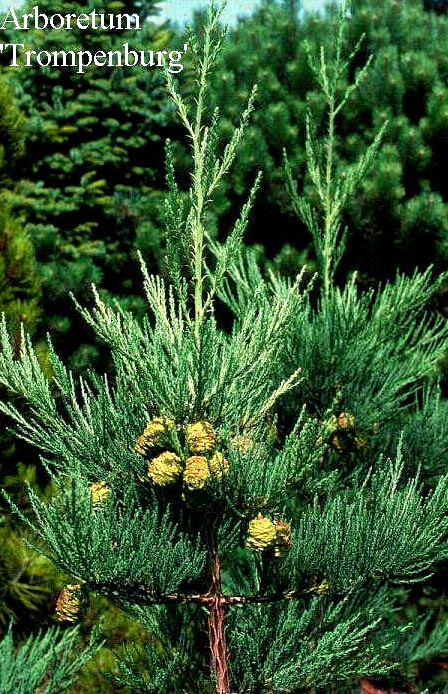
x=261 y=533
x=155 y=435
x=99 y=492
x=283 y=538
x=71 y=603
x=165 y=469
x=200 y=437
x=346 y=421
x=196 y=472
x=218 y=465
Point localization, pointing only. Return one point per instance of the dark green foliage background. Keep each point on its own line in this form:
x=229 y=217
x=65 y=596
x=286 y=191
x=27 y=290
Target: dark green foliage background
x=92 y=174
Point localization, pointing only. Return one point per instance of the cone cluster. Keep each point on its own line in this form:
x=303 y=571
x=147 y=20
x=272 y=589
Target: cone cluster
x=186 y=454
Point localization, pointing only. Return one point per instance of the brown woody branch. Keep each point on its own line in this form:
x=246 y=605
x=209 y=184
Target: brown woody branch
x=146 y=596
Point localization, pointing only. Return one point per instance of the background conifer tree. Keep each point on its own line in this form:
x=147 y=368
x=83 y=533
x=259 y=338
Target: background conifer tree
x=398 y=215
x=38 y=143
x=178 y=497
x=90 y=188
x=19 y=281
x=46 y=662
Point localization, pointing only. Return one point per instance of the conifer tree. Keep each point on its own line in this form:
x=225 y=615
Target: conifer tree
x=178 y=498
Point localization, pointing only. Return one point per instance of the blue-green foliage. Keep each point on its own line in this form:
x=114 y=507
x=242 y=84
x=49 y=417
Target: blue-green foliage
x=46 y=662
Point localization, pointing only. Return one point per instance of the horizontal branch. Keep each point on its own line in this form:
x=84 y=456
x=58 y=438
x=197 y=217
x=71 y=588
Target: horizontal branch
x=143 y=595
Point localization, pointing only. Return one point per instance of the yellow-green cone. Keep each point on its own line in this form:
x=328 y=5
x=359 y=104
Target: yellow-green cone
x=218 y=465
x=346 y=421
x=261 y=533
x=196 y=472
x=99 y=492
x=166 y=469
x=200 y=437
x=155 y=434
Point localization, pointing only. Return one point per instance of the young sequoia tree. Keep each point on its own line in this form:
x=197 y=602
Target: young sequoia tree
x=176 y=497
